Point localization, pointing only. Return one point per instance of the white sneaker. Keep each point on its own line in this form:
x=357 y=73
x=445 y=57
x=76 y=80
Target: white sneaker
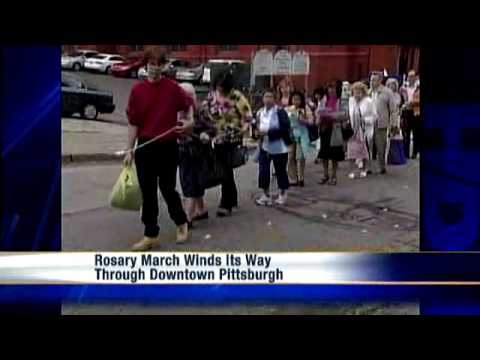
x=264 y=200
x=363 y=174
x=281 y=200
x=351 y=175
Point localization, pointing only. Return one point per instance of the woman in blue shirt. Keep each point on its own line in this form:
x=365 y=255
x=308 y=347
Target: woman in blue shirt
x=299 y=116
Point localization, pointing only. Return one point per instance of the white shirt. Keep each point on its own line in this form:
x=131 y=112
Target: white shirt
x=268 y=120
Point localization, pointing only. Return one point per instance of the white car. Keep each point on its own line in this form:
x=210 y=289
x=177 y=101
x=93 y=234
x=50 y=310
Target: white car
x=103 y=62
x=76 y=60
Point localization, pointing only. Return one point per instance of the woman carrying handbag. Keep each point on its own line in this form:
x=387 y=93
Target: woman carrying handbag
x=362 y=117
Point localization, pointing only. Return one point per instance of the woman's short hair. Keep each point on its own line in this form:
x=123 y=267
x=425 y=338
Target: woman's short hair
x=300 y=95
x=189 y=89
x=320 y=91
x=392 y=81
x=359 y=85
x=268 y=91
x=225 y=82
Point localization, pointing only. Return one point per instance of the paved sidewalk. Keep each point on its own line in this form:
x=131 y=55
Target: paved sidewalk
x=84 y=140
x=90 y=141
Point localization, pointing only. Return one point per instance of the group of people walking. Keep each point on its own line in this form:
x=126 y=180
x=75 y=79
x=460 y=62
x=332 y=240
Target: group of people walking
x=346 y=121
x=180 y=132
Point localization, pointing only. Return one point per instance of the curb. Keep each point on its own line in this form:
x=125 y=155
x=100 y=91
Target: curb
x=103 y=157
x=83 y=158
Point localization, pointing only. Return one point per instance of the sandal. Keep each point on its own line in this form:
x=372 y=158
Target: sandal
x=324 y=180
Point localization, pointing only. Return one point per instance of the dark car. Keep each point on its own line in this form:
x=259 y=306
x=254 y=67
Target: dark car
x=84 y=99
x=128 y=69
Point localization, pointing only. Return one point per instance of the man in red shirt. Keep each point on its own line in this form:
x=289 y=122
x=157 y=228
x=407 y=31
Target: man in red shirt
x=152 y=110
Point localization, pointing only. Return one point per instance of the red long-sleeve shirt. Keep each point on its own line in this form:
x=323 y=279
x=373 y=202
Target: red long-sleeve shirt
x=153 y=107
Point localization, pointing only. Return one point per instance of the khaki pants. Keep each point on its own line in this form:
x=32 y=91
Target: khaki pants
x=380 y=138
x=296 y=168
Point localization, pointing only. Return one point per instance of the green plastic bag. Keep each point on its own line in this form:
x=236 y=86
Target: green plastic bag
x=126 y=193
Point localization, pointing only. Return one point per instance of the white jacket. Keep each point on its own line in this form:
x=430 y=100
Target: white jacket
x=368 y=112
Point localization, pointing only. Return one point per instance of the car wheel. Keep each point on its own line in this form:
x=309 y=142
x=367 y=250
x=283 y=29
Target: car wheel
x=77 y=67
x=108 y=70
x=134 y=74
x=90 y=112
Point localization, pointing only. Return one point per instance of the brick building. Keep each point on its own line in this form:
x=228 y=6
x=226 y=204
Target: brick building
x=327 y=62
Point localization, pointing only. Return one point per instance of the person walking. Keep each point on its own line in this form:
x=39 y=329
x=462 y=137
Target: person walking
x=152 y=111
x=299 y=116
x=193 y=150
x=416 y=123
x=331 y=141
x=232 y=116
x=284 y=90
x=396 y=154
x=387 y=114
x=362 y=117
x=274 y=131
x=319 y=102
x=407 y=90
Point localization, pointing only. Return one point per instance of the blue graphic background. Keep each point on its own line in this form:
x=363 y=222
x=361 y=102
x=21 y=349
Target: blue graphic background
x=31 y=193
x=31 y=149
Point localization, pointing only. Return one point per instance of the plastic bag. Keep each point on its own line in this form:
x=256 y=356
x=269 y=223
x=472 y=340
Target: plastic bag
x=336 y=138
x=126 y=193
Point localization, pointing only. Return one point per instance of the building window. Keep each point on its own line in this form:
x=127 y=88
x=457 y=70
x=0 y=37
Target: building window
x=137 y=47
x=177 y=47
x=227 y=47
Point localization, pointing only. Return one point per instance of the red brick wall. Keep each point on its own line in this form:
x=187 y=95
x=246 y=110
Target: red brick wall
x=328 y=62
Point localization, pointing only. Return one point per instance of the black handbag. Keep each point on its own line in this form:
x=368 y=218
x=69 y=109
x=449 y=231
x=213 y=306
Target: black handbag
x=212 y=171
x=239 y=156
x=347 y=131
x=313 y=132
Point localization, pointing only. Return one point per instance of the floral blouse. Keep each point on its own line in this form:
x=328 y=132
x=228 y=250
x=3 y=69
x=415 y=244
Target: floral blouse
x=230 y=116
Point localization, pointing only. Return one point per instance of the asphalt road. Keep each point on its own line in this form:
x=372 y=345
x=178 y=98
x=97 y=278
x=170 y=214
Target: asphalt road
x=379 y=213
x=120 y=87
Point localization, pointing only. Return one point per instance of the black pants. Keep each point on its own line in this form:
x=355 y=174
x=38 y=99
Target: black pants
x=279 y=163
x=157 y=166
x=229 y=197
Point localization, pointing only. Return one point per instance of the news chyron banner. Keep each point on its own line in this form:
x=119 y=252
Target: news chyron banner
x=126 y=268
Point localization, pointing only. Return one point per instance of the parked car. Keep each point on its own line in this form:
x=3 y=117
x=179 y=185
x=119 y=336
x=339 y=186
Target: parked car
x=76 y=60
x=129 y=68
x=239 y=68
x=186 y=72
x=84 y=99
x=103 y=62
x=171 y=72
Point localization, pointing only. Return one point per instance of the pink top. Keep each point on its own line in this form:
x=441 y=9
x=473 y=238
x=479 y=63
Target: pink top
x=326 y=121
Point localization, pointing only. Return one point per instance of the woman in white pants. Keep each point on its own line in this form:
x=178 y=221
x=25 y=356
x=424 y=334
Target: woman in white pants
x=362 y=119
